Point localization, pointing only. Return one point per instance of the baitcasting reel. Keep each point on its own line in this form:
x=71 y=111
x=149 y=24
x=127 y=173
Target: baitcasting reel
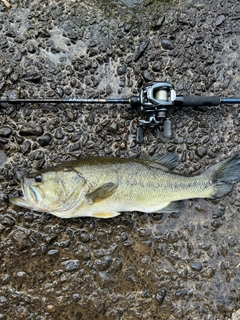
x=153 y=102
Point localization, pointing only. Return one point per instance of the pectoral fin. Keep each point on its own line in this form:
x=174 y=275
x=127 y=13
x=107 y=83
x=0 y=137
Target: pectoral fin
x=101 y=193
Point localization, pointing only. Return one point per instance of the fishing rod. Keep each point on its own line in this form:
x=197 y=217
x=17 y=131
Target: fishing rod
x=153 y=102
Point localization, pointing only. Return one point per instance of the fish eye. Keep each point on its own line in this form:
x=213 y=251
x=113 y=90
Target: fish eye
x=38 y=178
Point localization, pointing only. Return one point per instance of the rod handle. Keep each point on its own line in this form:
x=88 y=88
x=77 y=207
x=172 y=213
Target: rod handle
x=197 y=101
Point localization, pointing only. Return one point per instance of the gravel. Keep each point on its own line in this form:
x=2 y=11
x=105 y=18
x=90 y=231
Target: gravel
x=134 y=266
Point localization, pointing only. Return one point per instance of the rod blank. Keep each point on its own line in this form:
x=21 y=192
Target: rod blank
x=80 y=101
x=230 y=100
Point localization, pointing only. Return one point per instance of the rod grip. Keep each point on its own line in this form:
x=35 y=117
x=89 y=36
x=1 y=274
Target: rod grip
x=197 y=101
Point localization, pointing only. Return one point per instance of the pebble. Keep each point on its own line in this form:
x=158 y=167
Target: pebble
x=71 y=265
x=109 y=90
x=59 y=91
x=127 y=27
x=181 y=293
x=146 y=294
x=93 y=52
x=33 y=77
x=113 y=127
x=31 y=48
x=156 y=67
x=220 y=20
x=105 y=277
x=82 y=251
x=5 y=279
x=140 y=51
x=160 y=295
x=90 y=119
x=5 y=132
x=8 y=70
x=62 y=244
x=99 y=305
x=121 y=70
x=25 y=147
x=45 y=140
x=104 y=263
x=84 y=236
x=157 y=25
x=14 y=77
x=31 y=130
x=76 y=296
x=21 y=274
x=4 y=302
x=190 y=140
x=199 y=207
x=167 y=44
x=196 y=266
x=179 y=123
x=172 y=236
x=147 y=76
x=117 y=264
x=53 y=252
x=59 y=134
x=20 y=238
x=2 y=228
x=88 y=64
x=201 y=151
x=7 y=220
x=217 y=213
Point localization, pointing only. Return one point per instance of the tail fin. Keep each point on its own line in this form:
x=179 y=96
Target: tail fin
x=224 y=175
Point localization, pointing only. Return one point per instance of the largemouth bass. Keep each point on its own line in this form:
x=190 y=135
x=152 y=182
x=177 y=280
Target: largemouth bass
x=104 y=187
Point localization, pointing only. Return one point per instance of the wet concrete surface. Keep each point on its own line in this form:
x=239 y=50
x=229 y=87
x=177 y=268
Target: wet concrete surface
x=135 y=266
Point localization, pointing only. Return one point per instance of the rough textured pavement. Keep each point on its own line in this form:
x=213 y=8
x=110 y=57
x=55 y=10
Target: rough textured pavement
x=135 y=266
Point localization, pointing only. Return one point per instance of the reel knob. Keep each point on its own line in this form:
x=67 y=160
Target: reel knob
x=167 y=128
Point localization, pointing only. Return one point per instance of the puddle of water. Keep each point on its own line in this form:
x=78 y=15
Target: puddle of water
x=21 y=22
x=67 y=50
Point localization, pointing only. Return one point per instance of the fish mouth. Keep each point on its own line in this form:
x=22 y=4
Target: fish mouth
x=30 y=195
x=20 y=201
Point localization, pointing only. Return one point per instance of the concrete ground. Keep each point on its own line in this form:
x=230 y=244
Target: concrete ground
x=137 y=265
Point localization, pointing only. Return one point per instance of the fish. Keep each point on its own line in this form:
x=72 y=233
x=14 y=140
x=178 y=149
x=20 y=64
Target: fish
x=104 y=187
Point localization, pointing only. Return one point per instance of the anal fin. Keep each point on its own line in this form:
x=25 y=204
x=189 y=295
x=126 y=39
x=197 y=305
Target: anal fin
x=174 y=206
x=106 y=215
